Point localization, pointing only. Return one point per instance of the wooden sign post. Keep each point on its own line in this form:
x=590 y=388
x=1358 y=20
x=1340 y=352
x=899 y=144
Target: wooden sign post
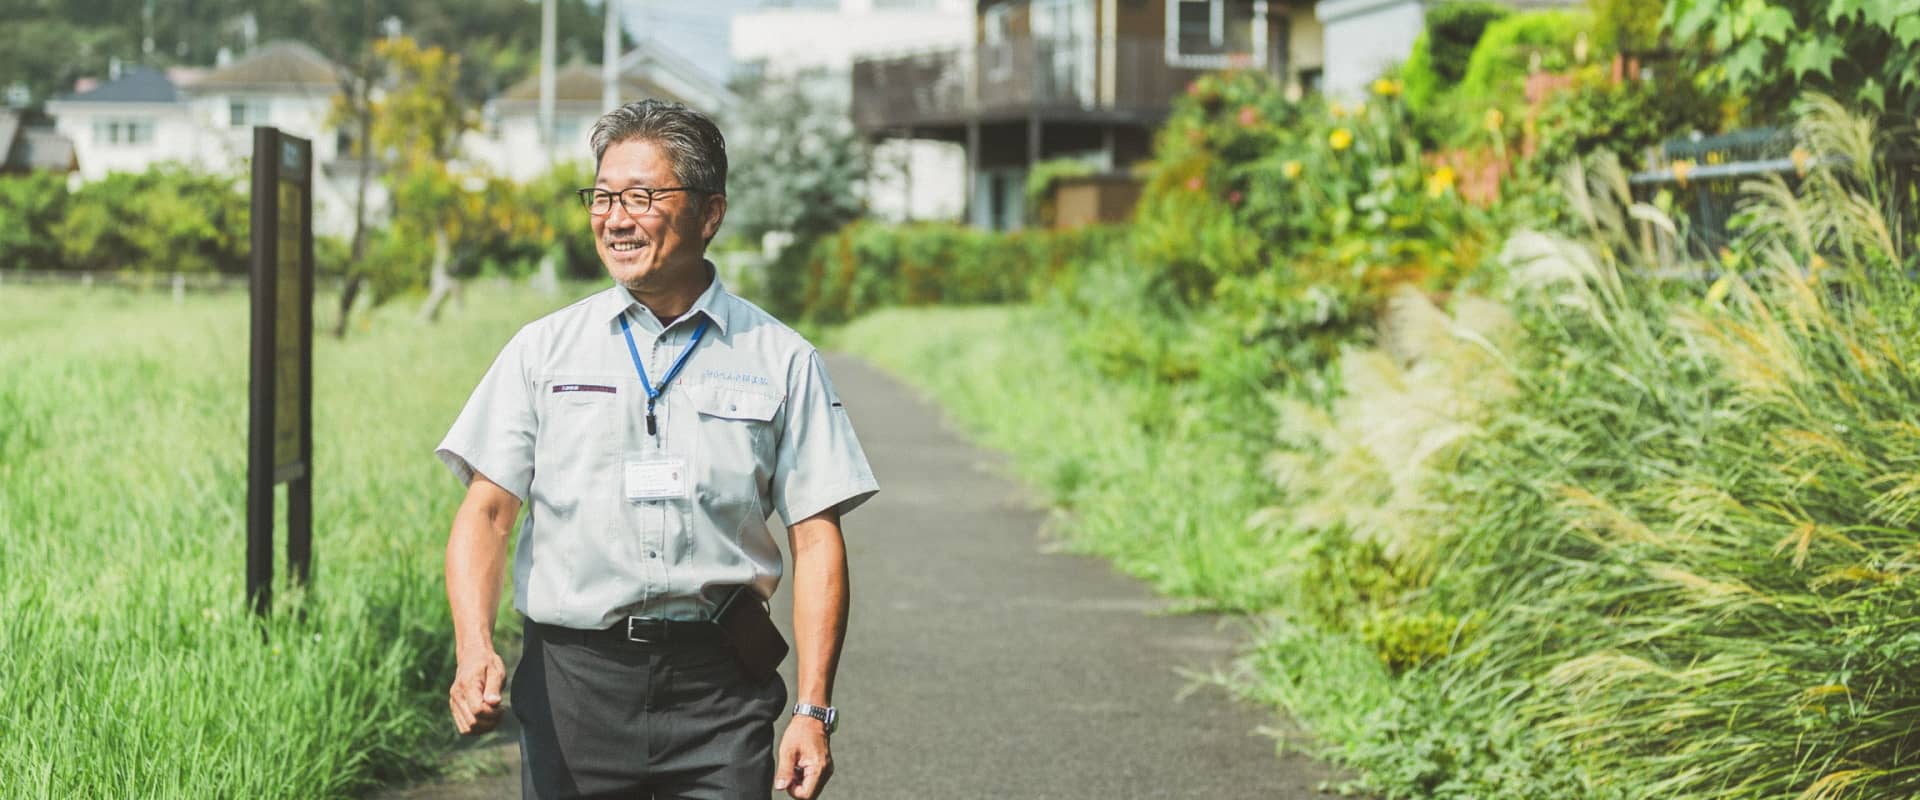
x=280 y=422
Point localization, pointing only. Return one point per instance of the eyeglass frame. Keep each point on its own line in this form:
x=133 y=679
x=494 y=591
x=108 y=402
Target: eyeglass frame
x=590 y=194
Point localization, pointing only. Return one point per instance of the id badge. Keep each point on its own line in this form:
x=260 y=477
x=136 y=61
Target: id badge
x=657 y=479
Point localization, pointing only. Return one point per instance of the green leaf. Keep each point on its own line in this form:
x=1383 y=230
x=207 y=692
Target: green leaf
x=1870 y=93
x=1907 y=31
x=1774 y=24
x=1885 y=14
x=1744 y=62
x=1697 y=15
x=1838 y=10
x=1813 y=55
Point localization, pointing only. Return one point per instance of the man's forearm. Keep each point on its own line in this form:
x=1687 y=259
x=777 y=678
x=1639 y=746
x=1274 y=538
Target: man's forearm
x=819 y=605
x=476 y=561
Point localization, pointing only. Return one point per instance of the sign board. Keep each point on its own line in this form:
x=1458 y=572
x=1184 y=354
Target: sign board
x=280 y=427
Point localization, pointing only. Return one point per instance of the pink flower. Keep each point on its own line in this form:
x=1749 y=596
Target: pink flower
x=1233 y=198
x=1193 y=184
x=1248 y=116
x=1193 y=88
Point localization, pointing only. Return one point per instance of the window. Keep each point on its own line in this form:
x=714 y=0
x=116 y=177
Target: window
x=1210 y=34
x=903 y=5
x=123 y=131
x=242 y=113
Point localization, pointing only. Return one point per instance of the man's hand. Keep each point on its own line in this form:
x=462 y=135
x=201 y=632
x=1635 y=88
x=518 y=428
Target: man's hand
x=804 y=763
x=476 y=555
x=475 y=696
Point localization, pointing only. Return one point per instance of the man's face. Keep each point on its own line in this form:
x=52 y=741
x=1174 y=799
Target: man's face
x=669 y=240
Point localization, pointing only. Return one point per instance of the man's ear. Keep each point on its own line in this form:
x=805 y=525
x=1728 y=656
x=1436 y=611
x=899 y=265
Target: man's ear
x=715 y=211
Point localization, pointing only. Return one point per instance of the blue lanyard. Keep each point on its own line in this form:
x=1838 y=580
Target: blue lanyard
x=653 y=393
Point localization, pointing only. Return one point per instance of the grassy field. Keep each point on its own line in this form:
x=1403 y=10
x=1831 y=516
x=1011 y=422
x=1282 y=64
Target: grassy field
x=129 y=666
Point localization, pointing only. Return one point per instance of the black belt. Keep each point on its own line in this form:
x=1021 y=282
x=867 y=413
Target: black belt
x=636 y=631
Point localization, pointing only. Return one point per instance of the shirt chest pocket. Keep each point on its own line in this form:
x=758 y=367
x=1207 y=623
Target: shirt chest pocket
x=736 y=436
x=579 y=419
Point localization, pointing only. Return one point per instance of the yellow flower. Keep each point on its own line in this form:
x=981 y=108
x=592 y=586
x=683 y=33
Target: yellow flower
x=1386 y=88
x=1340 y=139
x=1816 y=266
x=1440 y=181
x=1495 y=120
x=1801 y=158
x=1290 y=169
x=1681 y=169
x=1338 y=111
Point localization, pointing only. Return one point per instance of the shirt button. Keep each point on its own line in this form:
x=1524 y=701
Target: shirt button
x=652 y=554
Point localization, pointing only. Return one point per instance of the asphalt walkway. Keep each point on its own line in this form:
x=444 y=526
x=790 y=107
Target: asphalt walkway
x=980 y=665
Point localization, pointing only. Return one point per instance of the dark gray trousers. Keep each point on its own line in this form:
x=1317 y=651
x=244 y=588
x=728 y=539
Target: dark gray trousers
x=646 y=722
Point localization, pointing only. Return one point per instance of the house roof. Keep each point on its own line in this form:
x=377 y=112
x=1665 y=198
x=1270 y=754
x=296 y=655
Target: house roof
x=657 y=60
x=579 y=85
x=650 y=70
x=275 y=66
x=135 y=85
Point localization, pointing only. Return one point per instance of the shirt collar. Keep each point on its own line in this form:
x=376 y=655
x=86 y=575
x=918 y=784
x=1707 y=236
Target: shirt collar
x=711 y=302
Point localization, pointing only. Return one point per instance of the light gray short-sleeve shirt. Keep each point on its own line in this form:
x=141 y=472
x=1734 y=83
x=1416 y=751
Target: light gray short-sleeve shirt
x=559 y=420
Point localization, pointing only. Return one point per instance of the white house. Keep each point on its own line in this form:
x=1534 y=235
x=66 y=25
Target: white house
x=204 y=120
x=509 y=141
x=914 y=178
x=134 y=120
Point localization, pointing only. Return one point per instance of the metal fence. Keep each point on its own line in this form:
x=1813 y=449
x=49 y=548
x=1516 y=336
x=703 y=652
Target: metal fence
x=1704 y=174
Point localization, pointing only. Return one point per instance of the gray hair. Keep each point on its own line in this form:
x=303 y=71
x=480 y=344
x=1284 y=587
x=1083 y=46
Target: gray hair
x=690 y=139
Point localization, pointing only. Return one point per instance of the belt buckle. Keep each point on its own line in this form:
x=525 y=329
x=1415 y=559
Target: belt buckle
x=646 y=630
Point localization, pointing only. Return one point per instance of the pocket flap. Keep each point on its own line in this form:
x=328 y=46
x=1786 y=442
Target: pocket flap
x=720 y=401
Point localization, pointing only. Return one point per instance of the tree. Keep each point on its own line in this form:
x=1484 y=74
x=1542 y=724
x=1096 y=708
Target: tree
x=441 y=214
x=796 y=164
x=1863 y=52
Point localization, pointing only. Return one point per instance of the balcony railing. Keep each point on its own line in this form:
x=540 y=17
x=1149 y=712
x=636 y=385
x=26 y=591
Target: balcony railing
x=1020 y=75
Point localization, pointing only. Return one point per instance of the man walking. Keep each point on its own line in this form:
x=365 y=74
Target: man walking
x=651 y=429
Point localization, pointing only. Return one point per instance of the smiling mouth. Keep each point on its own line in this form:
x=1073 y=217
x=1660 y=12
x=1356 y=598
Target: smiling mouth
x=626 y=246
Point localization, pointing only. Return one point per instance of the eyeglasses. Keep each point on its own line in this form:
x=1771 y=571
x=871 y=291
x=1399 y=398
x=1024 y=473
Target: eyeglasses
x=636 y=200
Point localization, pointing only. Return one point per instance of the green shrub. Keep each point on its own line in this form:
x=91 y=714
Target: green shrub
x=30 y=206
x=866 y=266
x=1505 y=54
x=1442 y=51
x=1299 y=217
x=166 y=219
x=1627 y=26
x=1625 y=118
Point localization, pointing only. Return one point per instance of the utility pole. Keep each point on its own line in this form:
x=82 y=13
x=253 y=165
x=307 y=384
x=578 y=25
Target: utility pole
x=610 y=60
x=548 y=24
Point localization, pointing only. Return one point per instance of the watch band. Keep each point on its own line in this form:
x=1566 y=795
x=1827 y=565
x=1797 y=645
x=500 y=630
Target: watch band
x=828 y=715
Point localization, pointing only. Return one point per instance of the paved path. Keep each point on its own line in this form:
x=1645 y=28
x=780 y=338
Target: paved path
x=979 y=666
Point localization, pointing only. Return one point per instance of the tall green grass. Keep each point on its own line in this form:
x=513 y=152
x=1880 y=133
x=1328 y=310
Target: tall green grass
x=129 y=665
x=1619 y=538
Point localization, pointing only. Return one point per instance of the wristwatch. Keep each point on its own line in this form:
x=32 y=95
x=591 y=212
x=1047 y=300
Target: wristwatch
x=826 y=714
